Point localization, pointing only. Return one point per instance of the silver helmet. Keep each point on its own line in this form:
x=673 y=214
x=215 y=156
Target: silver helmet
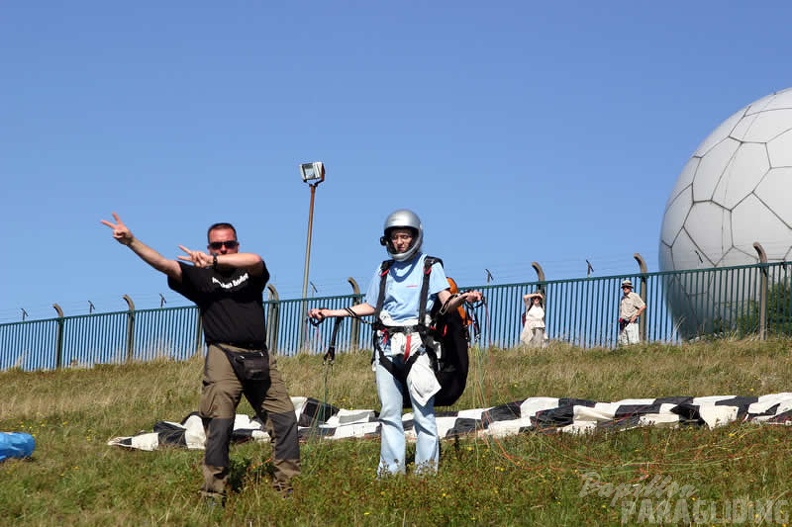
x=402 y=219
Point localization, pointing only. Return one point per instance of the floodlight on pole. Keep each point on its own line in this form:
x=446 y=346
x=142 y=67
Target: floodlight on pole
x=313 y=174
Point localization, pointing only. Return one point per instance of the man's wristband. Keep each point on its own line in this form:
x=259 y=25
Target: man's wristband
x=214 y=261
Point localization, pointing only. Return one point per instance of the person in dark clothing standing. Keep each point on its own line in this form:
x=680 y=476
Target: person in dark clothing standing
x=227 y=286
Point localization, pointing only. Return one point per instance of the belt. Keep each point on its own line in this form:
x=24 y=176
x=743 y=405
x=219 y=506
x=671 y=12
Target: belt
x=251 y=346
x=402 y=329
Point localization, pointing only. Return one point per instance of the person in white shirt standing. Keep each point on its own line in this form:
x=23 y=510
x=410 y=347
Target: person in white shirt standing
x=534 y=325
x=631 y=307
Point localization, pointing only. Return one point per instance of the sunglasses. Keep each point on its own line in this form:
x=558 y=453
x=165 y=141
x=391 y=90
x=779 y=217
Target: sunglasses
x=230 y=244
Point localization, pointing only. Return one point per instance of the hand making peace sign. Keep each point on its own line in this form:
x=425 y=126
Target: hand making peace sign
x=198 y=258
x=121 y=232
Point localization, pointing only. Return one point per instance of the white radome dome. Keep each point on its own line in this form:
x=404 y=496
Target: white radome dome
x=736 y=189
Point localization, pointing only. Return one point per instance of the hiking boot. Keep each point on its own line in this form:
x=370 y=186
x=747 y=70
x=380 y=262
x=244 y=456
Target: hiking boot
x=213 y=502
x=284 y=489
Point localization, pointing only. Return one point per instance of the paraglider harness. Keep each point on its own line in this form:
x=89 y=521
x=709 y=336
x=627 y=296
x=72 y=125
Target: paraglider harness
x=445 y=338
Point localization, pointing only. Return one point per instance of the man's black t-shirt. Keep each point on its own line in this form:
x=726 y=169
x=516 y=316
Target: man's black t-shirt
x=230 y=303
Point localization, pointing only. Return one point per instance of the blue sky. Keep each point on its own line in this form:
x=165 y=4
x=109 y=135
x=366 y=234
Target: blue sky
x=519 y=131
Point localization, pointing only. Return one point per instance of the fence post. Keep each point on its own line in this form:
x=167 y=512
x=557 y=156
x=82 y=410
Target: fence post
x=354 y=335
x=273 y=313
x=130 y=329
x=539 y=271
x=59 y=338
x=541 y=277
x=644 y=294
x=198 y=332
x=762 y=290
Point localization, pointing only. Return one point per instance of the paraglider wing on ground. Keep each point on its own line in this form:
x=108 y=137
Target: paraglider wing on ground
x=534 y=414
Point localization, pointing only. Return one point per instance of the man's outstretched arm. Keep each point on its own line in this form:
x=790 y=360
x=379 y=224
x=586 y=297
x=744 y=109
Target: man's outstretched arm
x=250 y=261
x=124 y=236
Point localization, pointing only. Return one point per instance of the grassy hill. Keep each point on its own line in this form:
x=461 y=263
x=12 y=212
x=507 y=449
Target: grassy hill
x=74 y=478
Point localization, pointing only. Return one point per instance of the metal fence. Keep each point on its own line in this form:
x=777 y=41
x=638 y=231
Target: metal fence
x=742 y=300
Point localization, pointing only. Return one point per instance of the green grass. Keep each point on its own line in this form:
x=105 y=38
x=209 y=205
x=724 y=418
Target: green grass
x=74 y=478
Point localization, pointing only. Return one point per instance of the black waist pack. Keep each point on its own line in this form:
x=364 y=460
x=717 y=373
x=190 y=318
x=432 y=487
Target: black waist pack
x=249 y=365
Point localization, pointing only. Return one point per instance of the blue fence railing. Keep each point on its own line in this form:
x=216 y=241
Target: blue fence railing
x=742 y=300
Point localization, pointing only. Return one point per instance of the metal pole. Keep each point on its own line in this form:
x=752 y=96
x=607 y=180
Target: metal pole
x=130 y=351
x=762 y=290
x=273 y=314
x=539 y=271
x=644 y=293
x=354 y=339
x=540 y=275
x=59 y=341
x=304 y=310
